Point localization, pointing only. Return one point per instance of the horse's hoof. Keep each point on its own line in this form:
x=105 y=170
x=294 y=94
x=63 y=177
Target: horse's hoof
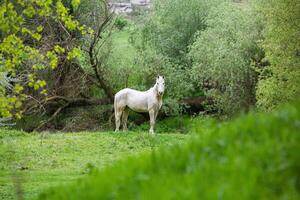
x=151 y=132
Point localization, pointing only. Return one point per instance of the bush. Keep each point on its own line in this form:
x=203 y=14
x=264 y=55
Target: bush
x=223 y=56
x=253 y=157
x=280 y=81
x=169 y=125
x=178 y=84
x=170 y=30
x=120 y=22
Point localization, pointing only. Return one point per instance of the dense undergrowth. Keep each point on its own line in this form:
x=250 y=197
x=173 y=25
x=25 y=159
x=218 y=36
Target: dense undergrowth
x=255 y=156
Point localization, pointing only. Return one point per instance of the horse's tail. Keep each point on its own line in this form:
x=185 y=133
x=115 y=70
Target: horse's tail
x=115 y=104
x=113 y=113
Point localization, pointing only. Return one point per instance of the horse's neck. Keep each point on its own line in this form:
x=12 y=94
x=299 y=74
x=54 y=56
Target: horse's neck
x=155 y=92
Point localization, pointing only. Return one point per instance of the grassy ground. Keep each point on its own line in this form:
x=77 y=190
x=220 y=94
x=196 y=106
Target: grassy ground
x=255 y=156
x=122 y=49
x=32 y=163
x=122 y=52
x=122 y=61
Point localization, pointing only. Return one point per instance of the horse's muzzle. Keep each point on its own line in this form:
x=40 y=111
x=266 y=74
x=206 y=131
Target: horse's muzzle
x=160 y=93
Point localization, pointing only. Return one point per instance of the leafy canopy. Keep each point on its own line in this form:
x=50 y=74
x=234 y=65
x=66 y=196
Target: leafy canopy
x=279 y=82
x=223 y=55
x=20 y=36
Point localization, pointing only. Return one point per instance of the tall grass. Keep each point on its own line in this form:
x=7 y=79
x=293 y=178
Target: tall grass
x=255 y=156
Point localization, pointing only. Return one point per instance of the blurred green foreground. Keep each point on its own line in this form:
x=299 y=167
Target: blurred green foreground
x=256 y=156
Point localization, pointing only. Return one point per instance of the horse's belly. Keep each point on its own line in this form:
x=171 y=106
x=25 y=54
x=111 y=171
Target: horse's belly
x=138 y=109
x=137 y=104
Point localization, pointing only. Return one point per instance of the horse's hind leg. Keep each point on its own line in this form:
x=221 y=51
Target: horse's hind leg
x=118 y=114
x=124 y=119
x=118 y=119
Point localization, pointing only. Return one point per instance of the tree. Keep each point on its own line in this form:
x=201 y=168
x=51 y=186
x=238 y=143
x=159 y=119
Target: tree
x=223 y=56
x=25 y=50
x=163 y=43
x=48 y=61
x=171 y=28
x=87 y=71
x=97 y=15
x=280 y=81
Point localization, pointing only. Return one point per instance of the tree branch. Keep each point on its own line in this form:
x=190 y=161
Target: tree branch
x=95 y=63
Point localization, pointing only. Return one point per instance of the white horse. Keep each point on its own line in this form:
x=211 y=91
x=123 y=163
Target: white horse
x=147 y=101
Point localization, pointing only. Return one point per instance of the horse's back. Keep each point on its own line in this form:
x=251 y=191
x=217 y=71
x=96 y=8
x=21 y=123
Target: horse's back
x=128 y=92
x=121 y=93
x=121 y=96
x=134 y=99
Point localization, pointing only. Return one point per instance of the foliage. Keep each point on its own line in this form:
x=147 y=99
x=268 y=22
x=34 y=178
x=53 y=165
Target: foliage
x=120 y=22
x=97 y=46
x=213 y=48
x=223 y=56
x=5 y=82
x=178 y=85
x=162 y=45
x=258 y=152
x=171 y=28
x=22 y=28
x=121 y=67
x=181 y=124
x=40 y=161
x=280 y=81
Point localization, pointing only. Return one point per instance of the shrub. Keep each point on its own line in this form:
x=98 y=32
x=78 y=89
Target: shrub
x=280 y=81
x=223 y=55
x=178 y=84
x=120 y=22
x=170 y=30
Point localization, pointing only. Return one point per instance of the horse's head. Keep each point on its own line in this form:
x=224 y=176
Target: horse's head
x=160 y=85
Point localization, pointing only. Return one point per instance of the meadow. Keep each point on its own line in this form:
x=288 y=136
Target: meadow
x=255 y=156
x=31 y=163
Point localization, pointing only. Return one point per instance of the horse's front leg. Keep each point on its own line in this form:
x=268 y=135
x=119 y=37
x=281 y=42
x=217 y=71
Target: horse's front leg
x=152 y=121
x=155 y=115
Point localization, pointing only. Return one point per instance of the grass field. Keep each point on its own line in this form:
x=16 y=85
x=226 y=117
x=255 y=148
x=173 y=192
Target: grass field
x=255 y=156
x=32 y=163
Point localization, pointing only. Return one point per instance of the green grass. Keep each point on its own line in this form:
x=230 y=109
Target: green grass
x=255 y=156
x=180 y=124
x=121 y=43
x=123 y=52
x=122 y=60
x=35 y=162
